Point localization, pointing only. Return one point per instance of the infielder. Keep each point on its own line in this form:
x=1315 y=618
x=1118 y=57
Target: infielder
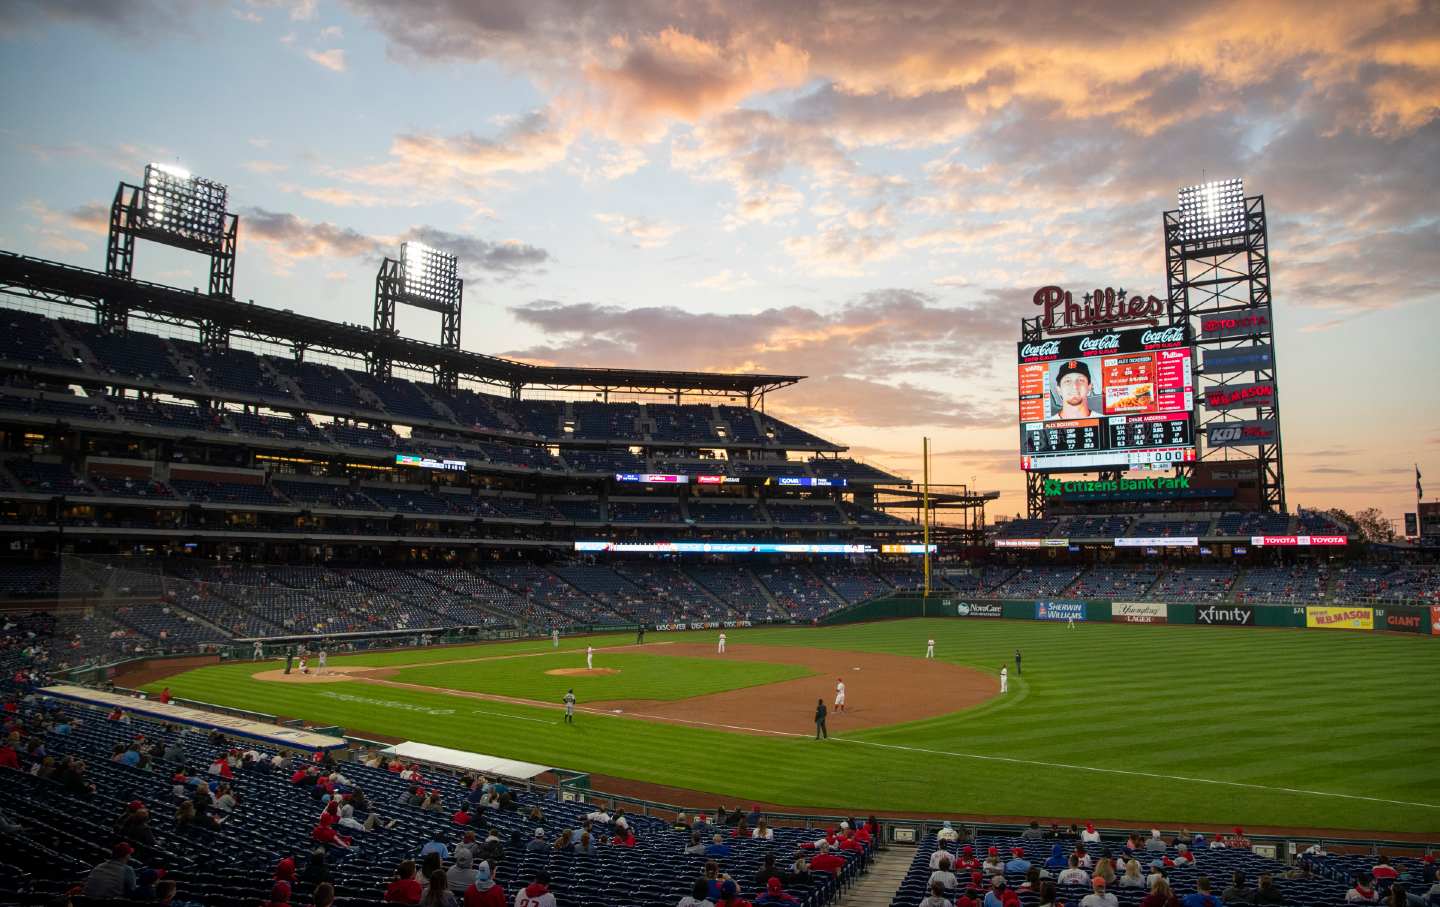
x=1004 y=679
x=321 y=659
x=590 y=658
x=930 y=649
x=554 y=638
x=839 y=695
x=720 y=649
x=259 y=651
x=570 y=706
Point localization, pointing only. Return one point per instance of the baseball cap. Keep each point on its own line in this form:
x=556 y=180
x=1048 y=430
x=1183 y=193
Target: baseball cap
x=1017 y=851
x=121 y=850
x=136 y=805
x=1073 y=367
x=539 y=832
x=1098 y=881
x=482 y=872
x=994 y=851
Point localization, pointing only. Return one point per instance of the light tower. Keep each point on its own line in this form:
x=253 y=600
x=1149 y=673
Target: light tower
x=427 y=279
x=173 y=208
x=1217 y=264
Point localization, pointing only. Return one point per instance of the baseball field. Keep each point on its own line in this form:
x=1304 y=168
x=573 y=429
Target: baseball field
x=1197 y=726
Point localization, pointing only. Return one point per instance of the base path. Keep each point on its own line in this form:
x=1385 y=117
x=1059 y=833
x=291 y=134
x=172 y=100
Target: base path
x=880 y=690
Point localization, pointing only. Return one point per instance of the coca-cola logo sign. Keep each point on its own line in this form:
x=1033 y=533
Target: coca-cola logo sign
x=1097 y=309
x=1106 y=344
x=1048 y=348
x=1166 y=335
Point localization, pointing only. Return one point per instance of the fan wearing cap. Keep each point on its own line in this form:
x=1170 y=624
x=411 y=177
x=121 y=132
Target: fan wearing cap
x=775 y=894
x=994 y=863
x=1098 y=896
x=1073 y=383
x=1017 y=862
x=947 y=832
x=483 y=892
x=114 y=878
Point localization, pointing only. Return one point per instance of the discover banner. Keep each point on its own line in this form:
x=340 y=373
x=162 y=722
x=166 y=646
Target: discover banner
x=1061 y=610
x=1140 y=612
x=1225 y=615
x=1340 y=618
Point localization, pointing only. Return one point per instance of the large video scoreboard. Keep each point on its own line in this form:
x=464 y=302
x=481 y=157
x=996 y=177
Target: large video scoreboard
x=1120 y=399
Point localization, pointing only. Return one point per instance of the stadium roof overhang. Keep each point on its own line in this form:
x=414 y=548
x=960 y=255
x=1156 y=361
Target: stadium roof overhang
x=54 y=281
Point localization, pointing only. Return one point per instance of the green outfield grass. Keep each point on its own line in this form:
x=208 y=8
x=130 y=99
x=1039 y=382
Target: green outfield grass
x=1182 y=725
x=641 y=676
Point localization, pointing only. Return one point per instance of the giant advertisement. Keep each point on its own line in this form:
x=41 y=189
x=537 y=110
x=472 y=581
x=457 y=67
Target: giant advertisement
x=1225 y=615
x=1061 y=610
x=1402 y=620
x=1243 y=433
x=1122 y=398
x=1347 y=618
x=1140 y=612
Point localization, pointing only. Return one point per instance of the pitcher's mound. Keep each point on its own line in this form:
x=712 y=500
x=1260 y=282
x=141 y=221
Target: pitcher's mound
x=331 y=675
x=582 y=672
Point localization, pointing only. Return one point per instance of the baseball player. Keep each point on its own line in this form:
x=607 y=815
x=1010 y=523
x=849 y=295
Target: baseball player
x=1018 y=672
x=303 y=669
x=259 y=650
x=930 y=649
x=321 y=659
x=590 y=658
x=570 y=706
x=1004 y=679
x=554 y=638
x=839 y=695
x=1070 y=621
x=720 y=650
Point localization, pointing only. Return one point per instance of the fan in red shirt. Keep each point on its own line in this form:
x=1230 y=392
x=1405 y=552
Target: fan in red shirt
x=1383 y=870
x=966 y=859
x=331 y=814
x=483 y=892
x=326 y=834
x=461 y=817
x=405 y=889
x=279 y=895
x=625 y=838
x=825 y=861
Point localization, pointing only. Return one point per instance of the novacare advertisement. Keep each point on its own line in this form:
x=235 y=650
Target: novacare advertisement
x=1340 y=618
x=1059 y=610
x=1140 y=612
x=976 y=609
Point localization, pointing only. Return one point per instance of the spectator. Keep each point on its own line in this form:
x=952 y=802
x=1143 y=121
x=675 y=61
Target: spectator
x=1033 y=833
x=134 y=825
x=936 y=897
x=1098 y=896
x=941 y=854
x=763 y=832
x=279 y=895
x=285 y=870
x=1268 y=893
x=462 y=875
x=767 y=870
x=946 y=832
x=323 y=896
x=1363 y=891
x=1056 y=861
x=1090 y=835
x=775 y=894
x=624 y=836
x=1238 y=839
x=971 y=897
x=799 y=873
x=435 y=845
x=536 y=894
x=1155 y=844
x=1073 y=874
x=1201 y=896
x=698 y=896
x=438 y=893
x=993 y=864
x=729 y=896
x=825 y=861
x=1133 y=877
x=1017 y=864
x=1383 y=871
x=405 y=889
x=1183 y=856
x=1238 y=892
x=114 y=878
x=538 y=842
x=1032 y=880
x=316 y=871
x=1160 y=895
x=943 y=875
x=483 y=892
x=1000 y=894
x=966 y=860
x=718 y=847
x=696 y=846
x=586 y=845
x=1105 y=870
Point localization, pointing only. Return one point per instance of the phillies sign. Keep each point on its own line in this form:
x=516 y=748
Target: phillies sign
x=1246 y=323
x=1240 y=396
x=1098 y=309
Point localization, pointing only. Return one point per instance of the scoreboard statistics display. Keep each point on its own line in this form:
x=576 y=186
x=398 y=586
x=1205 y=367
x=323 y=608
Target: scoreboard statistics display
x=1122 y=399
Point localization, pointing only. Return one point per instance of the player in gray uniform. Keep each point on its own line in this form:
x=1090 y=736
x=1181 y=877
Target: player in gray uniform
x=570 y=706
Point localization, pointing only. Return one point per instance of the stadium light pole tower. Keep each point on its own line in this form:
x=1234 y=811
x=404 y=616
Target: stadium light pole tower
x=174 y=208
x=1217 y=265
x=425 y=278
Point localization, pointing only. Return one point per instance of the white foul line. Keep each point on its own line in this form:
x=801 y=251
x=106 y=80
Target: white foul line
x=1121 y=771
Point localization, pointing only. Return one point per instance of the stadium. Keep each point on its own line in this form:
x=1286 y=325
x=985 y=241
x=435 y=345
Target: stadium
x=379 y=618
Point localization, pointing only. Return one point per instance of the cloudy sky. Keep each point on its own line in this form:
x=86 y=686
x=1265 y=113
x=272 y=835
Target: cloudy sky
x=866 y=192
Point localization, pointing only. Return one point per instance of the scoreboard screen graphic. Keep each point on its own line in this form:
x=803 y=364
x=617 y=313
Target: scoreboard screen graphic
x=1121 y=399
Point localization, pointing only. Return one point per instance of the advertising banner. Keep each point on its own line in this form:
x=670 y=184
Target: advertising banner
x=1031 y=543
x=978 y=609
x=1061 y=610
x=1225 y=615
x=1435 y=620
x=1139 y=612
x=1242 y=433
x=1298 y=541
x=1228 y=325
x=1239 y=359
x=1340 y=618
x=1240 y=396
x=1403 y=620
x=1168 y=541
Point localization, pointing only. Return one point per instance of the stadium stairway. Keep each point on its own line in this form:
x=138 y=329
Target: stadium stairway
x=877 y=887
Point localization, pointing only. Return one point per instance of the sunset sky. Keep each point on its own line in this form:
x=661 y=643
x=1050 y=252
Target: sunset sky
x=867 y=193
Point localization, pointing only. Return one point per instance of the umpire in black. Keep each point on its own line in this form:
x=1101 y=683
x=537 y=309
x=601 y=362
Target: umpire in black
x=820 y=720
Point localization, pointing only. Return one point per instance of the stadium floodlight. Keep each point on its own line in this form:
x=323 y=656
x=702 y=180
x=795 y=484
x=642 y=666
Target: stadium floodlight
x=182 y=205
x=429 y=275
x=1212 y=210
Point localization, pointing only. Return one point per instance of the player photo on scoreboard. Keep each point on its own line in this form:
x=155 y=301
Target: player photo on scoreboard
x=1075 y=389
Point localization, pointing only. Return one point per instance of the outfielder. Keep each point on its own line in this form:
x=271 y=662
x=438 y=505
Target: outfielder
x=720 y=650
x=590 y=658
x=930 y=649
x=839 y=695
x=1004 y=679
x=570 y=706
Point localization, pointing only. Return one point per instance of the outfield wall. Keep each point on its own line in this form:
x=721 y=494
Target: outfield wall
x=1394 y=618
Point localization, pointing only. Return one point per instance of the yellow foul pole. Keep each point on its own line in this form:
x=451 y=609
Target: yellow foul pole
x=925 y=458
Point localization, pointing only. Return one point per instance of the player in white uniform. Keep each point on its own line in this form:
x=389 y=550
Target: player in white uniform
x=570 y=706
x=930 y=649
x=720 y=649
x=554 y=639
x=322 y=662
x=1070 y=622
x=1004 y=680
x=303 y=669
x=839 y=695
x=259 y=650
x=590 y=658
